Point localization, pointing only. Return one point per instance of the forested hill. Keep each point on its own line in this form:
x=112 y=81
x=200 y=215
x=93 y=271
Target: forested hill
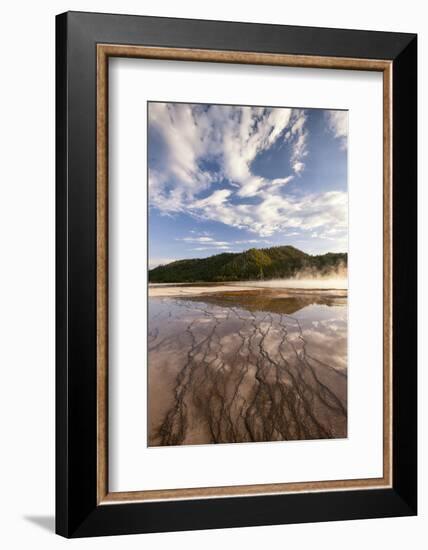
x=265 y=263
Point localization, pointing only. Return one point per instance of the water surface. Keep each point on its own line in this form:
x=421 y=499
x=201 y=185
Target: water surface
x=252 y=365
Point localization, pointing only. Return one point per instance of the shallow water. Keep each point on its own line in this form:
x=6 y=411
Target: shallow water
x=257 y=365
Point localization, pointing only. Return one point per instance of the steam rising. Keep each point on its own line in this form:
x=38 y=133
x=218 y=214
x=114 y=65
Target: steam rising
x=308 y=278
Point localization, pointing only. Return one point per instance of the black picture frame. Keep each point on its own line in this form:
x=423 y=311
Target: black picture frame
x=77 y=511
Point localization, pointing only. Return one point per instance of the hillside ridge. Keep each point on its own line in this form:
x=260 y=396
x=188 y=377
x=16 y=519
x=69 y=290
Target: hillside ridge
x=255 y=263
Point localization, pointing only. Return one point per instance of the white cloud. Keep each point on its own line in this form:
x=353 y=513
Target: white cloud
x=281 y=181
x=338 y=124
x=298 y=166
x=230 y=136
x=217 y=247
x=196 y=239
x=208 y=242
x=253 y=241
x=278 y=213
x=218 y=198
x=299 y=150
x=207 y=145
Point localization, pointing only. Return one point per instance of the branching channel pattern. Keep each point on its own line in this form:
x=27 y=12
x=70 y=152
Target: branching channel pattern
x=224 y=373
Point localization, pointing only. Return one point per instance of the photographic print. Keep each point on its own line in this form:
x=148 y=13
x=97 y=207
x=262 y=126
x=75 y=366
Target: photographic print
x=247 y=281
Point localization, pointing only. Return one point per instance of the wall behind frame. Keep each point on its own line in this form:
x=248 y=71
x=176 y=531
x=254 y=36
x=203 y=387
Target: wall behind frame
x=27 y=245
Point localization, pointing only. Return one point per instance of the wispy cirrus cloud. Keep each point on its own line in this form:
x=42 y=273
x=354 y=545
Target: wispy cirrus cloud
x=225 y=248
x=253 y=241
x=205 y=243
x=230 y=136
x=338 y=124
x=277 y=213
x=196 y=239
x=206 y=169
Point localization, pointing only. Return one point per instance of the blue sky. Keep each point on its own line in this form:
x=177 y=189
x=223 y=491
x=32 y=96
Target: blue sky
x=228 y=178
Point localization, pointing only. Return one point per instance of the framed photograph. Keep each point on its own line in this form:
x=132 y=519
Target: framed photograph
x=236 y=274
